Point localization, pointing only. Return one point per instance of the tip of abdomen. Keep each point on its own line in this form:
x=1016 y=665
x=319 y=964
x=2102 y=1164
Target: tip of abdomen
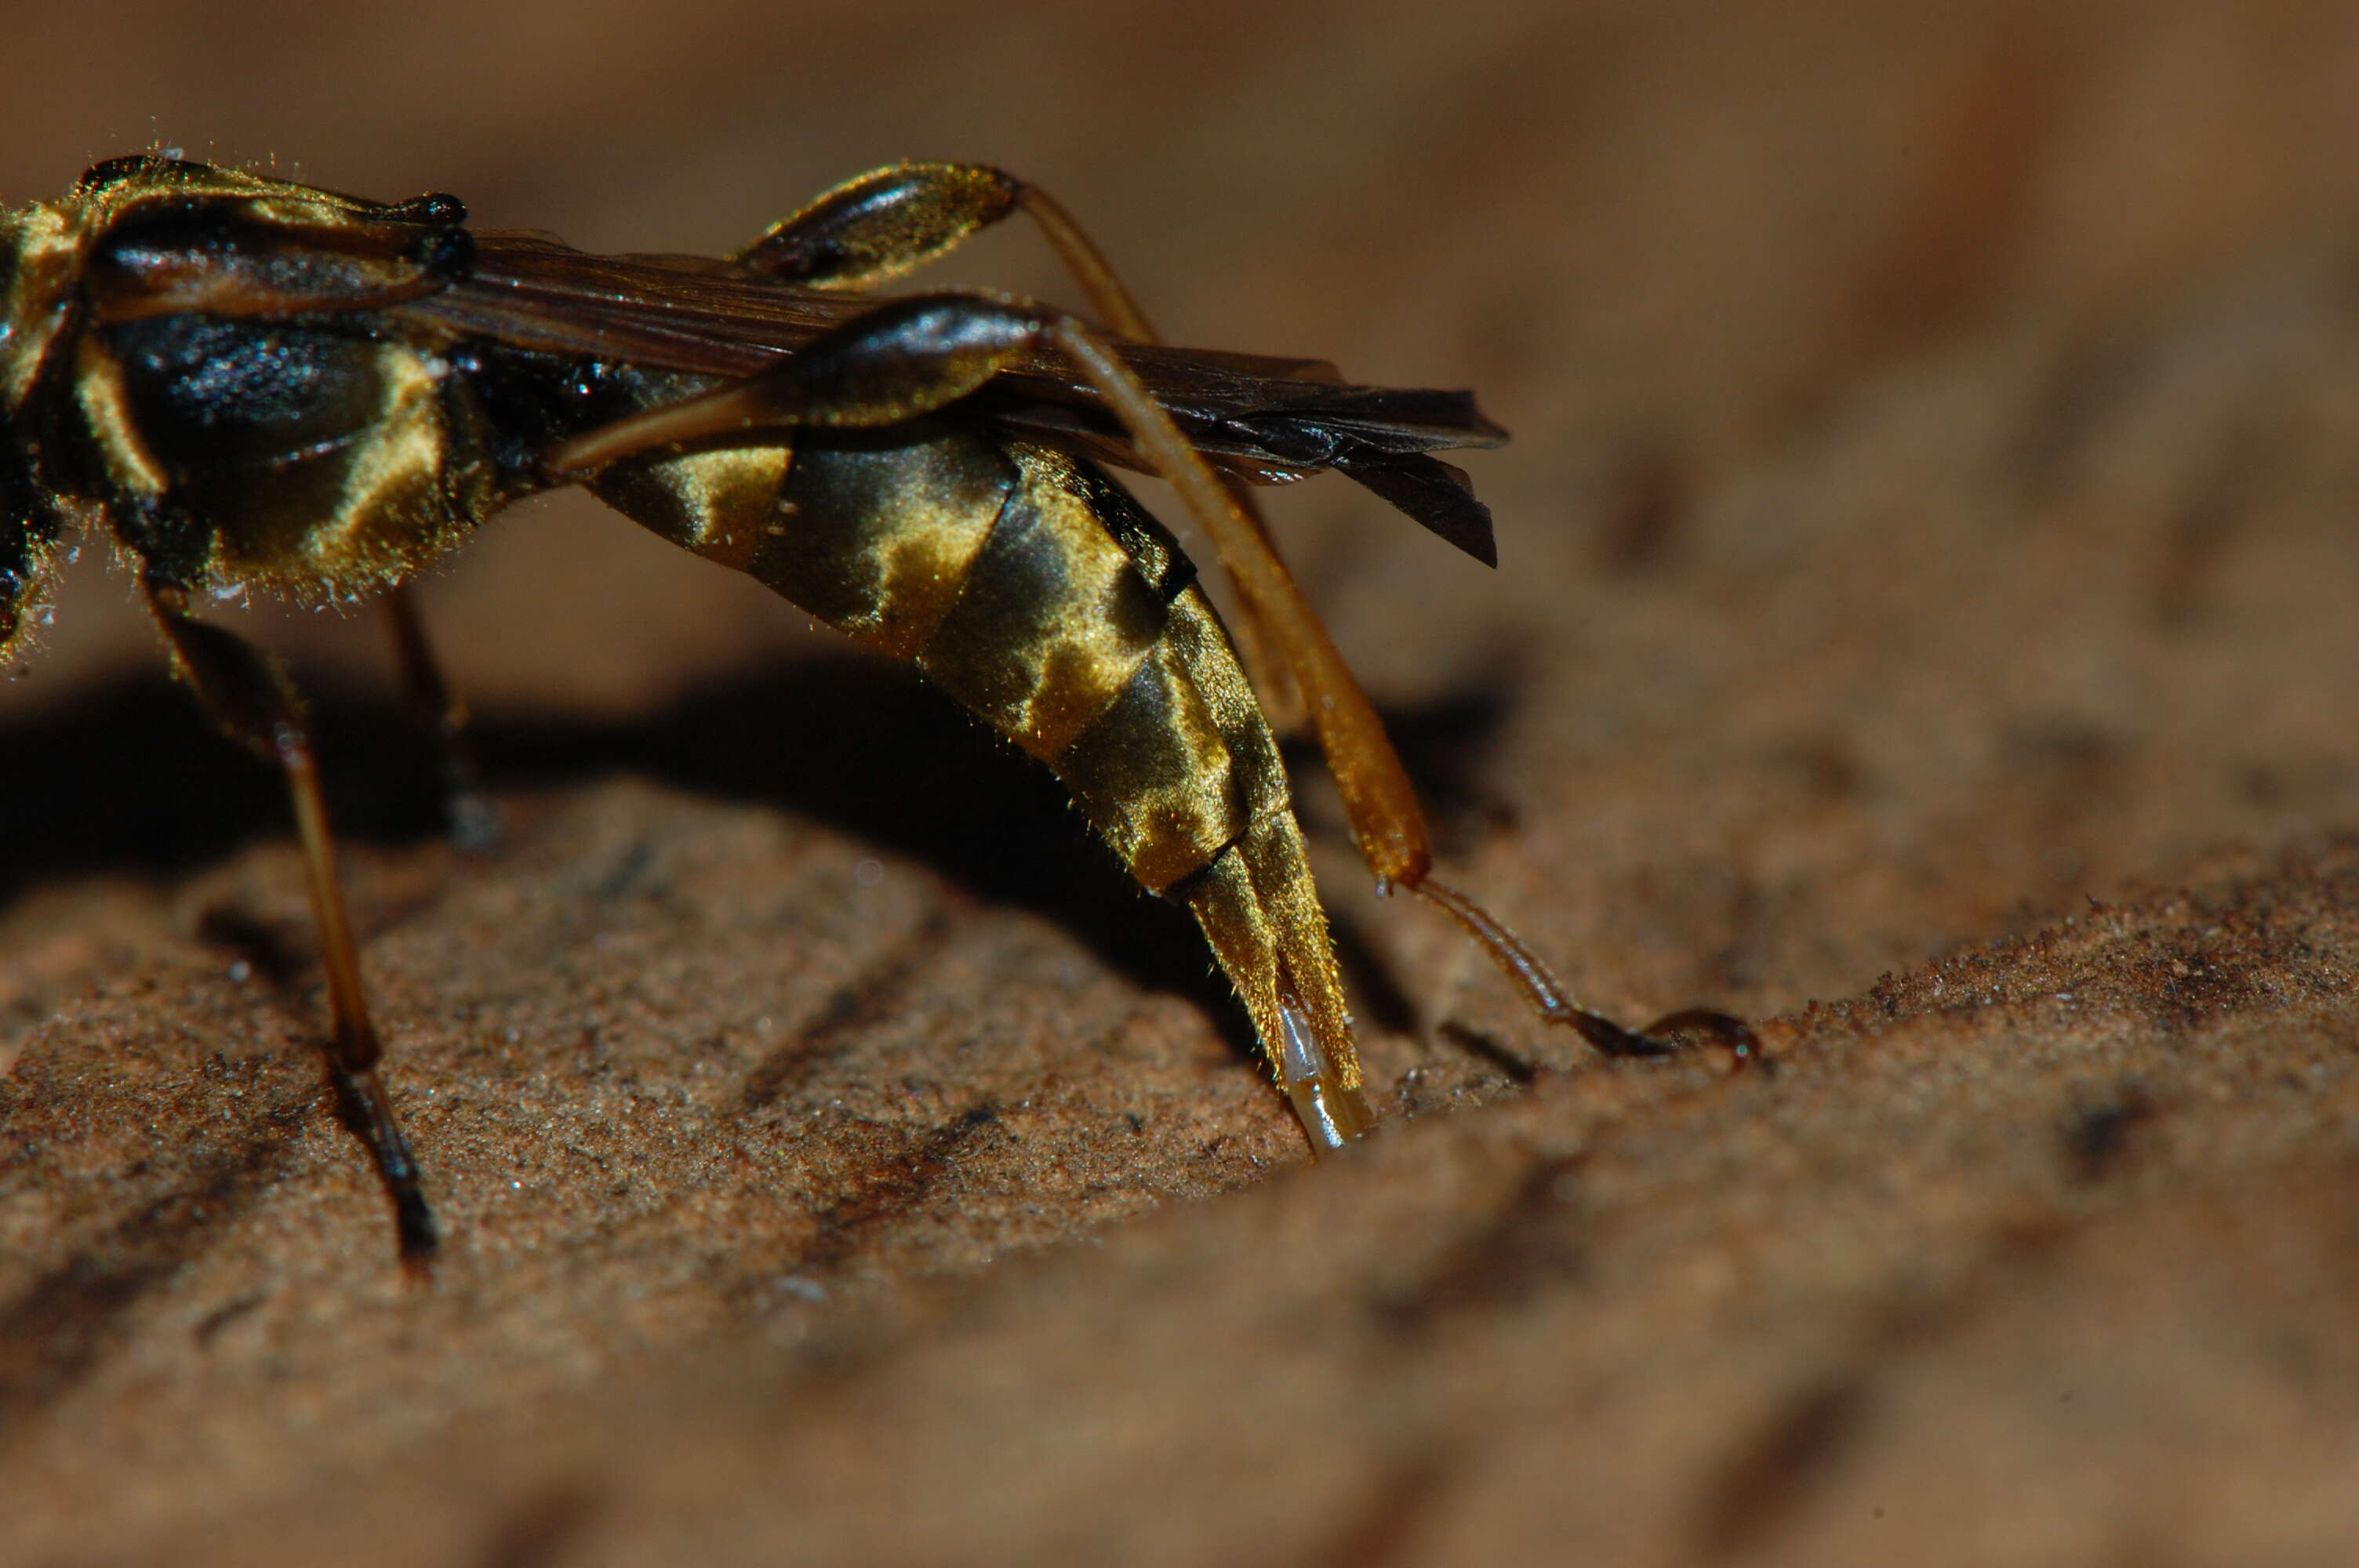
x=1332 y=1113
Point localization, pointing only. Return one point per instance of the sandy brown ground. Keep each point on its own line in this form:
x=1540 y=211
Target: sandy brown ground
x=1927 y=627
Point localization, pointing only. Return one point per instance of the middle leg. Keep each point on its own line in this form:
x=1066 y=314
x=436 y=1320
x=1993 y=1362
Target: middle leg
x=467 y=813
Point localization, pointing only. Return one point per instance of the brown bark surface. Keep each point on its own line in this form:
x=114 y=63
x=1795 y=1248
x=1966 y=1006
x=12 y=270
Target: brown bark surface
x=1925 y=625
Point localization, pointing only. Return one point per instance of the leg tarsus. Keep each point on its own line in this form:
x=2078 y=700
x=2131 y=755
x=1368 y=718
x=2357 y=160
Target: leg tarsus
x=368 y=1111
x=1673 y=1032
x=1667 y=1036
x=1695 y=1026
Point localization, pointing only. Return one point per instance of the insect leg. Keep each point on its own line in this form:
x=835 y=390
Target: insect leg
x=250 y=697
x=467 y=812
x=880 y=225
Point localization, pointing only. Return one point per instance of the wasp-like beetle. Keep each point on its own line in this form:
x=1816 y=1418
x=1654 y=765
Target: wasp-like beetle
x=246 y=382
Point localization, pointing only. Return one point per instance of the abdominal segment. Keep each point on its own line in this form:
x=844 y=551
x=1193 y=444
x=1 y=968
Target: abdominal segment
x=1044 y=599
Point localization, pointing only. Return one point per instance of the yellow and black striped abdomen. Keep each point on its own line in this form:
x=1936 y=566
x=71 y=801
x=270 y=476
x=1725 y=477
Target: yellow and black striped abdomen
x=1044 y=599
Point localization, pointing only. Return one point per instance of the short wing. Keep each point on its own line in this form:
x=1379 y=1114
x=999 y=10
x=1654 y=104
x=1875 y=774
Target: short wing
x=1266 y=420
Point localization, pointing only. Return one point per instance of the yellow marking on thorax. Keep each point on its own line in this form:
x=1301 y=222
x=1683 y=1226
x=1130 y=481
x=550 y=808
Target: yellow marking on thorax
x=106 y=408
x=49 y=260
x=391 y=518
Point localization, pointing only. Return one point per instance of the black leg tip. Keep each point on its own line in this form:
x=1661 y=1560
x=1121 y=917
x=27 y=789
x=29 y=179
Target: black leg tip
x=1674 y=1032
x=1694 y=1026
x=421 y=1237
x=474 y=824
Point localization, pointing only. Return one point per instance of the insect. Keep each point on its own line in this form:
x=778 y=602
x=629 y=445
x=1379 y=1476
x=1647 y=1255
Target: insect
x=244 y=381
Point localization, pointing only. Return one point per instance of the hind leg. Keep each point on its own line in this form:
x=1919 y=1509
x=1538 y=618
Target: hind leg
x=251 y=699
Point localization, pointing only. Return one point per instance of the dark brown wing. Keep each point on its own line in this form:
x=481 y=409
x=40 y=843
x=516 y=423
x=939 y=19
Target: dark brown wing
x=1267 y=420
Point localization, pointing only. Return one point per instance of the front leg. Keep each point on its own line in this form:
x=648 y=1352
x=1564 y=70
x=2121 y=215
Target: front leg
x=250 y=697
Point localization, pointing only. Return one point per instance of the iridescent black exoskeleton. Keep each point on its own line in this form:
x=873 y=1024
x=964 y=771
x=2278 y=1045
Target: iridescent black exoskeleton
x=244 y=381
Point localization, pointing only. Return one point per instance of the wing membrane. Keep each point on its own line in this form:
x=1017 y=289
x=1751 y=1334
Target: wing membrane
x=1266 y=419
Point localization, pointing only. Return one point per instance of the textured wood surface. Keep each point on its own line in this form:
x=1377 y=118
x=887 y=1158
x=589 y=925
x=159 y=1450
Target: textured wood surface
x=1925 y=624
